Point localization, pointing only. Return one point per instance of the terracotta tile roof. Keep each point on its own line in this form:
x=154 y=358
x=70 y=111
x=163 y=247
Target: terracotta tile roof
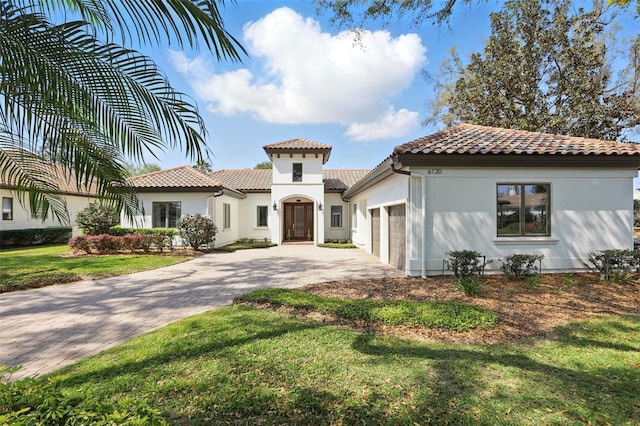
x=298 y=146
x=341 y=180
x=245 y=180
x=179 y=177
x=480 y=140
x=250 y=180
x=297 y=143
x=56 y=178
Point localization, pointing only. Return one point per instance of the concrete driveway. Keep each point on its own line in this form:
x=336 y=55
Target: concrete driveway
x=45 y=329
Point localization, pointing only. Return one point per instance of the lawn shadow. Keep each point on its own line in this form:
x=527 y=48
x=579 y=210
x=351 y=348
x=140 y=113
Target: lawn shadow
x=458 y=372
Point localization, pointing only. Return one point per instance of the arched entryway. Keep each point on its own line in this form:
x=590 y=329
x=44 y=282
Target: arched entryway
x=298 y=222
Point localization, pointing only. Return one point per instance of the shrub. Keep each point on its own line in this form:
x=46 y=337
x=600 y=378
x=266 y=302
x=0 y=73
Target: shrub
x=132 y=242
x=197 y=230
x=28 y=237
x=472 y=286
x=519 y=266
x=81 y=243
x=97 y=219
x=465 y=263
x=105 y=243
x=613 y=264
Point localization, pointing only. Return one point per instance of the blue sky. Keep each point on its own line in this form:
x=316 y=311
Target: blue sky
x=305 y=77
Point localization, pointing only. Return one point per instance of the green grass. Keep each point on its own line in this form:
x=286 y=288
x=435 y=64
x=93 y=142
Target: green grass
x=242 y=365
x=244 y=246
x=444 y=315
x=338 y=245
x=38 y=267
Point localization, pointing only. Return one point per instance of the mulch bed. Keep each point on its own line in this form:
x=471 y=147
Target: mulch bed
x=523 y=310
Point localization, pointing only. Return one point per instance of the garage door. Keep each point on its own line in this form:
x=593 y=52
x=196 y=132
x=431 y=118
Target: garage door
x=397 y=236
x=375 y=232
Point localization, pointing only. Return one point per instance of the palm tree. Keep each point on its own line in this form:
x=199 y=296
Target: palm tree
x=76 y=95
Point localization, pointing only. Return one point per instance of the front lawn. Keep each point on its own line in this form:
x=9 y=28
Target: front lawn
x=242 y=365
x=42 y=266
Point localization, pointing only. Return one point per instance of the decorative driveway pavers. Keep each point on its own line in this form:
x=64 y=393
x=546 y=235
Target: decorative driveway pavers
x=47 y=328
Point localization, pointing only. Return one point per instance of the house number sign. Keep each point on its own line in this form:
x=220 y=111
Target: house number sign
x=434 y=171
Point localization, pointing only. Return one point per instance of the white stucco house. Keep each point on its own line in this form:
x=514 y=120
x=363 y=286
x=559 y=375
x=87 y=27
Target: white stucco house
x=492 y=190
x=17 y=215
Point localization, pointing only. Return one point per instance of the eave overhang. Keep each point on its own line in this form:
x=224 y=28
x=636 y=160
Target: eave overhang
x=518 y=160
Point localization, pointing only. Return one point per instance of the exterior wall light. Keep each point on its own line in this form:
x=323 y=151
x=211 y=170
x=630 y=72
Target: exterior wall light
x=320 y=206
x=275 y=207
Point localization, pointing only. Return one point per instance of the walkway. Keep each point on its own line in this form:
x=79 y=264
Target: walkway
x=47 y=328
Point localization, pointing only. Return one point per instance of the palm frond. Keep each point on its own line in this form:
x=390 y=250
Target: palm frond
x=70 y=99
x=183 y=22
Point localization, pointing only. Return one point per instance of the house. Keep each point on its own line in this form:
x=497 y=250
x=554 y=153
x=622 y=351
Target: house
x=493 y=190
x=16 y=215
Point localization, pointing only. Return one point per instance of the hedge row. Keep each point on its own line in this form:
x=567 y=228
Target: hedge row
x=29 y=237
x=105 y=243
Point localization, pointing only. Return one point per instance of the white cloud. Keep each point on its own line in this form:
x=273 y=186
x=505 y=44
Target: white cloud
x=392 y=125
x=309 y=76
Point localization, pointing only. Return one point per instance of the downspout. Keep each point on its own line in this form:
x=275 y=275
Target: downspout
x=423 y=242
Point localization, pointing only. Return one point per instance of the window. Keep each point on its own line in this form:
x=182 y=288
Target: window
x=297 y=172
x=263 y=214
x=165 y=214
x=523 y=210
x=336 y=216
x=226 y=218
x=7 y=208
x=354 y=216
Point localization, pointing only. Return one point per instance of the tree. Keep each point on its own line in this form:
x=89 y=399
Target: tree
x=545 y=68
x=197 y=231
x=203 y=166
x=354 y=13
x=136 y=170
x=350 y=12
x=97 y=219
x=264 y=165
x=76 y=94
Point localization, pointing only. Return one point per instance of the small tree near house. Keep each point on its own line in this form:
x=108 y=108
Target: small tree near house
x=197 y=231
x=97 y=219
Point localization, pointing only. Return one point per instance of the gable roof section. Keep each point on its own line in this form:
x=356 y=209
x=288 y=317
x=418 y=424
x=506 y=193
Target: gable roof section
x=259 y=180
x=470 y=144
x=245 y=180
x=341 y=180
x=298 y=146
x=184 y=178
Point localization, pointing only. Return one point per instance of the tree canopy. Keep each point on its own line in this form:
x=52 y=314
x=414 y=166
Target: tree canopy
x=74 y=92
x=547 y=66
x=264 y=165
x=354 y=13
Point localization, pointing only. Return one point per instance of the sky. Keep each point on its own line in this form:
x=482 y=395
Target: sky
x=307 y=78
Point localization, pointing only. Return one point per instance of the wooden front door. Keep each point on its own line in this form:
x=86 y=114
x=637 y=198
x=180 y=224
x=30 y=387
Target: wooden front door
x=298 y=221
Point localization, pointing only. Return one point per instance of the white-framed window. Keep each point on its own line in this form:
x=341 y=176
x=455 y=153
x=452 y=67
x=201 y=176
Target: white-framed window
x=336 y=216
x=165 y=214
x=523 y=209
x=297 y=172
x=262 y=216
x=354 y=216
x=226 y=216
x=7 y=208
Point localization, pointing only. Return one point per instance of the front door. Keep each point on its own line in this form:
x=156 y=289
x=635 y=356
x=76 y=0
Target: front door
x=298 y=221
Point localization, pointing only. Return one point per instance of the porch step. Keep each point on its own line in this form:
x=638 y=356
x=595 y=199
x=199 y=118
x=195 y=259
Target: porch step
x=298 y=243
